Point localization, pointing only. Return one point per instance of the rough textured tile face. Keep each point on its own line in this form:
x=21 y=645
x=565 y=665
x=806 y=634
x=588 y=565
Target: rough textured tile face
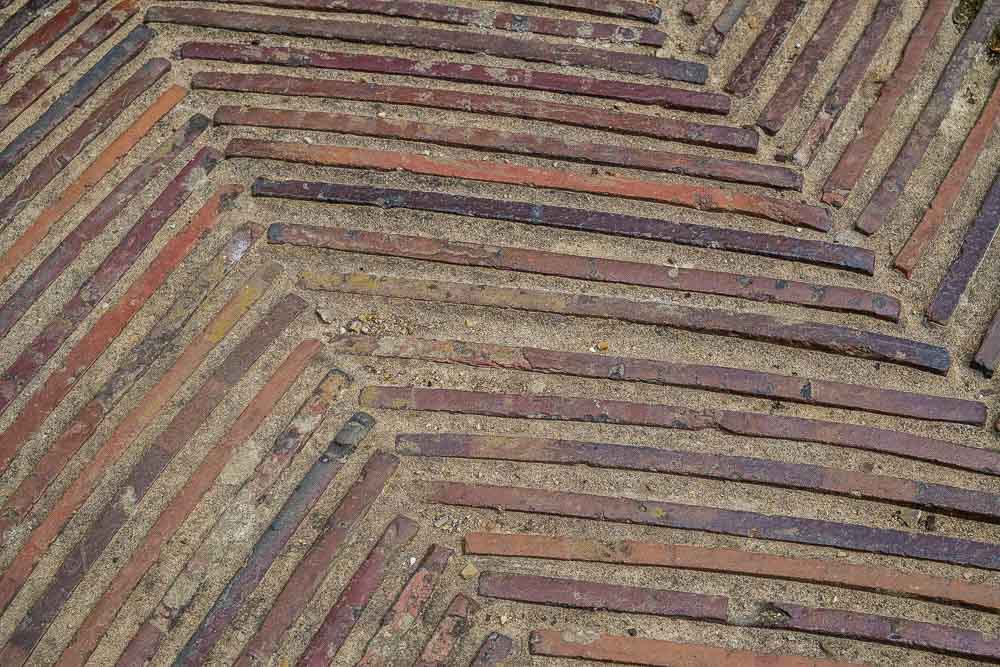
x=416 y=332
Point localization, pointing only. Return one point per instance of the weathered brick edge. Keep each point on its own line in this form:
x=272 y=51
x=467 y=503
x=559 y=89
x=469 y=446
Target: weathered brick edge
x=449 y=633
x=494 y=651
x=724 y=22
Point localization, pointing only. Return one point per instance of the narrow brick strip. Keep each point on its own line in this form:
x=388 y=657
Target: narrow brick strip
x=21 y=19
x=90 y=177
x=879 y=117
x=455 y=41
x=937 y=497
x=96 y=222
x=792 y=89
x=934 y=112
x=48 y=34
x=48 y=74
x=391 y=639
x=494 y=651
x=144 y=644
x=309 y=573
x=704 y=198
x=354 y=599
x=517 y=143
x=735 y=561
x=627 y=9
x=698 y=134
x=476 y=18
x=578 y=594
x=976 y=243
x=105 y=277
x=449 y=633
x=145 y=472
x=951 y=187
x=129 y=429
x=559 y=408
x=847 y=82
x=745 y=76
x=818 y=532
x=87 y=418
x=725 y=22
x=768 y=290
x=589 y=645
x=772 y=386
x=507 y=77
x=829 y=338
x=186 y=499
x=62 y=155
x=988 y=355
x=61 y=109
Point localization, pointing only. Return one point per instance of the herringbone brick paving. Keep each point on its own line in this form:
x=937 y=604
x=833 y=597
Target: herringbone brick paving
x=403 y=332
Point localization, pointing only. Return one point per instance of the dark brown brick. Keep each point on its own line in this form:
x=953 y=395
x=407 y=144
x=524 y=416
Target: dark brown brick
x=751 y=424
x=698 y=134
x=517 y=143
x=494 y=651
x=988 y=355
x=21 y=19
x=48 y=34
x=446 y=70
x=745 y=76
x=785 y=388
x=975 y=245
x=725 y=22
x=455 y=41
x=696 y=196
x=790 y=92
x=829 y=338
x=477 y=18
x=627 y=9
x=879 y=117
x=829 y=572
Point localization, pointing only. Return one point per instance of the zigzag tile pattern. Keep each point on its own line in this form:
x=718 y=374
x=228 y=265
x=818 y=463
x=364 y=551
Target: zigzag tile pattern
x=541 y=332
